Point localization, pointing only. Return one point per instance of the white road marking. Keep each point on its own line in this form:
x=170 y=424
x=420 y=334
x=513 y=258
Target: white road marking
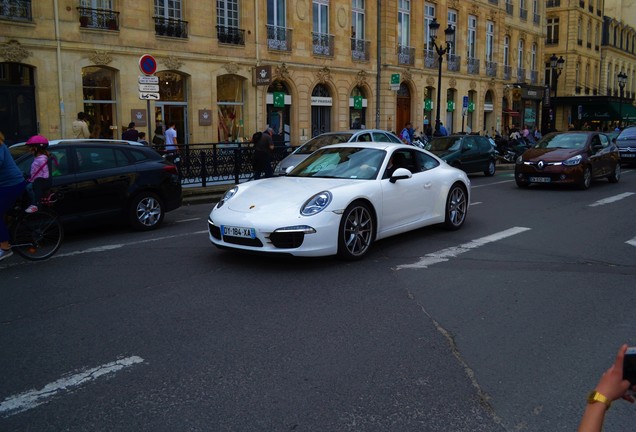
x=611 y=199
x=491 y=184
x=32 y=398
x=631 y=242
x=475 y=203
x=188 y=220
x=452 y=252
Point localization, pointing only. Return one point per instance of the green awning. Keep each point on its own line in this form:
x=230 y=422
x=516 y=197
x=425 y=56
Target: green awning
x=607 y=111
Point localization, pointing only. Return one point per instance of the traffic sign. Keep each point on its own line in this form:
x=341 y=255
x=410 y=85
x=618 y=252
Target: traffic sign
x=148 y=79
x=465 y=102
x=149 y=88
x=147 y=64
x=148 y=96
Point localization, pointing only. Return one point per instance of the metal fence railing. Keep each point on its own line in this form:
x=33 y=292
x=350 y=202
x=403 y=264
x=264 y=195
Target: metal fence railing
x=221 y=163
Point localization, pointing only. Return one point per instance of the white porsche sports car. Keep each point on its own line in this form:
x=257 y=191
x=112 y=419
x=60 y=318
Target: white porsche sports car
x=340 y=200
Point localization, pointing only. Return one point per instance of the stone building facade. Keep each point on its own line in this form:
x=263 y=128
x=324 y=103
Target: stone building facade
x=230 y=67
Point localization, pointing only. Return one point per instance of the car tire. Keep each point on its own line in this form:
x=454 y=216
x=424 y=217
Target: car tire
x=615 y=176
x=490 y=170
x=522 y=185
x=146 y=212
x=586 y=180
x=356 y=232
x=456 y=207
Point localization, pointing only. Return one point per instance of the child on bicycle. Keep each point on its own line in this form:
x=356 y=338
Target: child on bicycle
x=40 y=175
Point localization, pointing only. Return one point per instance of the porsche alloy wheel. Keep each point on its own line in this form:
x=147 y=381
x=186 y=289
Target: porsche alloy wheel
x=456 y=207
x=356 y=231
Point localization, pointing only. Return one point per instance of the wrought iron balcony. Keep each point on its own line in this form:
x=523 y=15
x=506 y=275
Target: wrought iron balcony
x=509 y=8
x=554 y=41
x=406 y=55
x=454 y=62
x=431 y=59
x=523 y=14
x=587 y=90
x=230 y=35
x=16 y=10
x=491 y=69
x=171 y=27
x=360 y=49
x=534 y=77
x=507 y=72
x=521 y=75
x=577 y=89
x=473 y=66
x=322 y=44
x=279 y=38
x=579 y=42
x=103 y=19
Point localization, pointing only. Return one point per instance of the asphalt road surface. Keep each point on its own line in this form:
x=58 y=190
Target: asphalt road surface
x=504 y=325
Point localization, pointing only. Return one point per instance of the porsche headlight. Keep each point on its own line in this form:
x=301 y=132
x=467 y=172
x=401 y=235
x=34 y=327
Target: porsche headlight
x=575 y=160
x=316 y=203
x=227 y=196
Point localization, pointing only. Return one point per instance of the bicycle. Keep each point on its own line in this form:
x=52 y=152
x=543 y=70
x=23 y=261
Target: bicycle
x=35 y=236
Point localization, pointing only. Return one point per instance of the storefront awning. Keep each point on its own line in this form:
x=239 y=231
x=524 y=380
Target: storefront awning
x=627 y=112
x=511 y=112
x=608 y=111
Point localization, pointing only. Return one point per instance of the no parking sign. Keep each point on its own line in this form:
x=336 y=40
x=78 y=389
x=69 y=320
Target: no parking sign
x=147 y=64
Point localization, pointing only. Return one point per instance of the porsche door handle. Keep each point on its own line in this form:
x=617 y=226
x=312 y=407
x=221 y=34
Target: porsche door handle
x=428 y=185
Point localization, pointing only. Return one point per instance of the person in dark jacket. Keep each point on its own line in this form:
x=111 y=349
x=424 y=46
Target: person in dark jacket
x=263 y=150
x=131 y=134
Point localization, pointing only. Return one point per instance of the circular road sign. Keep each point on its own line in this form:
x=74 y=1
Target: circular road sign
x=147 y=64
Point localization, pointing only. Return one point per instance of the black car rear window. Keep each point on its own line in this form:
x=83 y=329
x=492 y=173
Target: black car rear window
x=139 y=155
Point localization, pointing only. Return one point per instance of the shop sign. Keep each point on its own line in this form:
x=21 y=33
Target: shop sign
x=321 y=101
x=428 y=105
x=262 y=75
x=395 y=82
x=532 y=93
x=279 y=99
x=205 y=117
x=488 y=107
x=450 y=106
x=138 y=116
x=357 y=102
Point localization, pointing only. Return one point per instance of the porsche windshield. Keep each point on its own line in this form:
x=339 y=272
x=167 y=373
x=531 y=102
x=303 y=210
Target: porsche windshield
x=323 y=140
x=343 y=162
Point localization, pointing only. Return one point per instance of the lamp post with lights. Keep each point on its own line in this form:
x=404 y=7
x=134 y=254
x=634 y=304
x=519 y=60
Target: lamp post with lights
x=441 y=50
x=556 y=67
x=622 y=80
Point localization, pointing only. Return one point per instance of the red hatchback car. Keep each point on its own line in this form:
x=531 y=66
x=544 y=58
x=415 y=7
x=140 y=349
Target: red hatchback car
x=569 y=158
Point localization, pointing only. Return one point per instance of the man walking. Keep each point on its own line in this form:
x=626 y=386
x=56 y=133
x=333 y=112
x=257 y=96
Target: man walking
x=80 y=128
x=263 y=150
x=131 y=134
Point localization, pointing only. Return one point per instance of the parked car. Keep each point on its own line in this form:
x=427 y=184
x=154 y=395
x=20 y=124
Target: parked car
x=626 y=143
x=569 y=158
x=328 y=138
x=341 y=199
x=97 y=180
x=471 y=153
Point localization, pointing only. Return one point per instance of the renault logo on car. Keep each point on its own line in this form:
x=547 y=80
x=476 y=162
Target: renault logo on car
x=540 y=164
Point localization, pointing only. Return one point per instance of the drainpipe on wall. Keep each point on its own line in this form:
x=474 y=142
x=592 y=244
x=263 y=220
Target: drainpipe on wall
x=258 y=63
x=59 y=68
x=379 y=72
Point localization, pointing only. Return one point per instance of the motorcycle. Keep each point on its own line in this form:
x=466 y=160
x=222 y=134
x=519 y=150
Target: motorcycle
x=509 y=150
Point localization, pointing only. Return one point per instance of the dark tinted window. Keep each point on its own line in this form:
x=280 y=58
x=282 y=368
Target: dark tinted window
x=364 y=137
x=426 y=162
x=139 y=155
x=380 y=137
x=100 y=158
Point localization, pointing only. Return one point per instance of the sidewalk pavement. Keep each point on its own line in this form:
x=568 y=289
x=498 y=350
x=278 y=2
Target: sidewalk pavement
x=212 y=194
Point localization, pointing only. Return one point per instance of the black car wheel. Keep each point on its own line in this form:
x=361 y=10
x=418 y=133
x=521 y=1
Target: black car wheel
x=356 y=231
x=522 y=184
x=586 y=181
x=146 y=212
x=456 y=207
x=490 y=170
x=615 y=176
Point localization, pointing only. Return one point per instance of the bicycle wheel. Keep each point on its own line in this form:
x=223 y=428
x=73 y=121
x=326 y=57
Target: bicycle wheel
x=37 y=236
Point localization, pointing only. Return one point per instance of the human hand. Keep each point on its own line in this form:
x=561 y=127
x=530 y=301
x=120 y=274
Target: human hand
x=612 y=385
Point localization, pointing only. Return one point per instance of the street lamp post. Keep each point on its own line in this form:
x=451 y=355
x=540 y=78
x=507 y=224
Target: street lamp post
x=556 y=67
x=622 y=80
x=441 y=50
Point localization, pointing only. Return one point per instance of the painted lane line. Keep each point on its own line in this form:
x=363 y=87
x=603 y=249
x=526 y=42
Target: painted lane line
x=452 y=252
x=611 y=199
x=491 y=184
x=475 y=203
x=188 y=220
x=32 y=398
x=631 y=242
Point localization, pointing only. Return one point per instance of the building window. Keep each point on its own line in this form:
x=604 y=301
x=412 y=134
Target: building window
x=506 y=51
x=168 y=19
x=490 y=40
x=321 y=40
x=553 y=31
x=357 y=15
x=98 y=14
x=533 y=57
x=278 y=36
x=404 y=22
x=472 y=36
x=429 y=15
x=520 y=54
x=229 y=101
x=452 y=21
x=98 y=89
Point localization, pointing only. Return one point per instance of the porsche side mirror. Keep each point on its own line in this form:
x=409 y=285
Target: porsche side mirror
x=400 y=174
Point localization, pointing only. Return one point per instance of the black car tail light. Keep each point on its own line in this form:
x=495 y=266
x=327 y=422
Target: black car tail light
x=172 y=169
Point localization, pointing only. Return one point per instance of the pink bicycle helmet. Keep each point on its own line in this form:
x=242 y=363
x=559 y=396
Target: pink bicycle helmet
x=38 y=141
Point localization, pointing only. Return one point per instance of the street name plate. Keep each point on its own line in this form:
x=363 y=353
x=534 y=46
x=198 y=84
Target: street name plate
x=148 y=79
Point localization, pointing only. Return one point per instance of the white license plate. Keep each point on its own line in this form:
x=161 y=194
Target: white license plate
x=238 y=232
x=539 y=179
x=628 y=155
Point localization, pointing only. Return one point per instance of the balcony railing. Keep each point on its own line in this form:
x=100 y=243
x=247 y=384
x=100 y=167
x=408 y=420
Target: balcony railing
x=473 y=66
x=553 y=3
x=454 y=62
x=509 y=8
x=16 y=10
x=103 y=19
x=521 y=75
x=589 y=45
x=536 y=19
x=554 y=41
x=523 y=14
x=322 y=44
x=507 y=72
x=534 y=77
x=579 y=42
x=495 y=2
x=595 y=92
x=431 y=59
x=587 y=90
x=491 y=69
x=360 y=49
x=170 y=27
x=577 y=89
x=230 y=35
x=279 y=38
x=590 y=8
x=406 y=55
